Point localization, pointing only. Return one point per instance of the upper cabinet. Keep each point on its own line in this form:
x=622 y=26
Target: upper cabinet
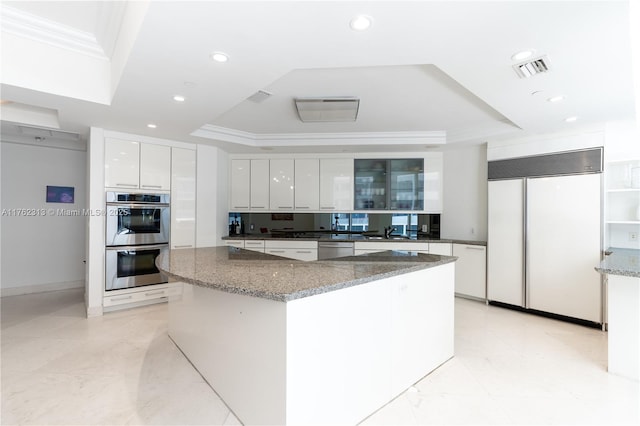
x=307 y=184
x=249 y=185
x=622 y=212
x=259 y=187
x=395 y=184
x=135 y=165
x=281 y=184
x=122 y=164
x=240 y=190
x=336 y=184
x=155 y=167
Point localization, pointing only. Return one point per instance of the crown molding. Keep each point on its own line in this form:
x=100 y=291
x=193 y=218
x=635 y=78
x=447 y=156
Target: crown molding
x=225 y=134
x=27 y=25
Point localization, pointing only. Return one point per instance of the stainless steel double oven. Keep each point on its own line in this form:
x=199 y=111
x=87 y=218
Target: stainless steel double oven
x=137 y=231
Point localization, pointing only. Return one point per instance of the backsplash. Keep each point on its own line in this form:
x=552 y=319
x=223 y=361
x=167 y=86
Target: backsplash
x=406 y=224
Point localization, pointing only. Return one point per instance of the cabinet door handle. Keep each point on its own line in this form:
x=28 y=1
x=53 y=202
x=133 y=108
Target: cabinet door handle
x=258 y=207
x=240 y=207
x=303 y=251
x=474 y=247
x=253 y=243
x=328 y=208
x=276 y=251
x=183 y=246
x=154 y=293
x=152 y=186
x=131 y=185
x=115 y=299
x=303 y=207
x=286 y=207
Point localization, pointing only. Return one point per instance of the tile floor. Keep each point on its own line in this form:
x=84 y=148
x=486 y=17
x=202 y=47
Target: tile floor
x=122 y=369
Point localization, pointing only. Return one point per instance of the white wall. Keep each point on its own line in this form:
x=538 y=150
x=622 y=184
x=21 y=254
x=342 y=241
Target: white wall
x=464 y=213
x=43 y=252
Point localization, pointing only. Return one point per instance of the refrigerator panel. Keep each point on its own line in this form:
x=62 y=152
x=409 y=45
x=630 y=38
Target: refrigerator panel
x=564 y=245
x=505 y=262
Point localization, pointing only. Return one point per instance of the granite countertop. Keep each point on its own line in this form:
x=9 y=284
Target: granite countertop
x=354 y=238
x=273 y=277
x=625 y=262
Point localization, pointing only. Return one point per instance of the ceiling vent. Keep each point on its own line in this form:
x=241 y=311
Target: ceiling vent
x=535 y=66
x=259 y=96
x=42 y=132
x=333 y=109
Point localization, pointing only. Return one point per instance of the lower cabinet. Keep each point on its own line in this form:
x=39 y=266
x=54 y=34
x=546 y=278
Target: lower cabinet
x=299 y=250
x=142 y=295
x=234 y=243
x=443 y=249
x=254 y=245
x=471 y=268
x=362 y=247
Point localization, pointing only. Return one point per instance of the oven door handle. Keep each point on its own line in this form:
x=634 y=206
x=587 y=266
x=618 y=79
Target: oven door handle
x=139 y=247
x=137 y=205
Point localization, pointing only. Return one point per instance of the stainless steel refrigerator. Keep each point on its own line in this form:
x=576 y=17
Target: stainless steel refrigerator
x=544 y=233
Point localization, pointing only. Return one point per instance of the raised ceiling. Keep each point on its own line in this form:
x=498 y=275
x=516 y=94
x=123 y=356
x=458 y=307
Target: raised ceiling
x=424 y=68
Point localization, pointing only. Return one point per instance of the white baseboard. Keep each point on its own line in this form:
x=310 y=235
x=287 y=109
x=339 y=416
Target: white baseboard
x=40 y=288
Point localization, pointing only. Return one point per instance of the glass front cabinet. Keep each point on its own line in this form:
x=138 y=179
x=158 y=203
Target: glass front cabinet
x=389 y=184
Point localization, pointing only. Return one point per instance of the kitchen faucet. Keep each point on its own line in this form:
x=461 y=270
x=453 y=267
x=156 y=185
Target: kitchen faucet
x=388 y=231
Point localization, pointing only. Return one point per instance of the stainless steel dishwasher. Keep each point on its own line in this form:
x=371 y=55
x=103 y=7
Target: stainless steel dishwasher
x=330 y=249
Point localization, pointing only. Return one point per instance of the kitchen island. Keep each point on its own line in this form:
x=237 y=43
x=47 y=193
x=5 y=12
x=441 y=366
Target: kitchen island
x=622 y=270
x=326 y=342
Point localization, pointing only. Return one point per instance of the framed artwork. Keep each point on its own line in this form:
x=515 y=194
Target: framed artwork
x=60 y=194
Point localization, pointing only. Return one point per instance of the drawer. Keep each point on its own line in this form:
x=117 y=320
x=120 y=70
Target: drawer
x=254 y=244
x=297 y=254
x=140 y=296
x=234 y=243
x=392 y=245
x=293 y=244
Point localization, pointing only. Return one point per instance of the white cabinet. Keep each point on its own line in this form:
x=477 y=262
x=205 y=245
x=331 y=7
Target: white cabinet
x=234 y=243
x=254 y=245
x=249 y=185
x=155 y=167
x=135 y=165
x=364 y=247
x=122 y=164
x=336 y=184
x=183 y=198
x=299 y=250
x=136 y=297
x=622 y=212
x=281 y=183
x=240 y=190
x=307 y=184
x=443 y=249
x=471 y=270
x=259 y=188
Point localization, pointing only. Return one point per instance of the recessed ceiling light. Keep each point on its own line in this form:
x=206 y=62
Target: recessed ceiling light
x=571 y=119
x=556 y=98
x=219 y=57
x=151 y=126
x=360 y=23
x=178 y=98
x=522 y=55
